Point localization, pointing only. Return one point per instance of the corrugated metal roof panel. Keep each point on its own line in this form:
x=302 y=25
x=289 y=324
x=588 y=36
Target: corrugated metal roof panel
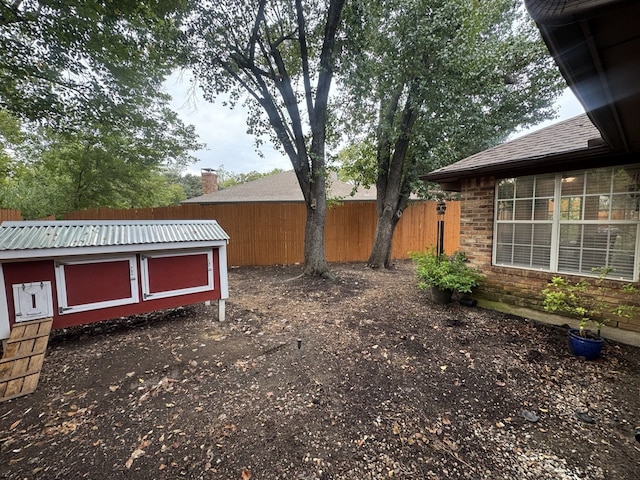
x=33 y=235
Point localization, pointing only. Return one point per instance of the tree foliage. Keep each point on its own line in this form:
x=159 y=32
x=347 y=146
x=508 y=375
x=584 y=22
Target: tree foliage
x=429 y=82
x=228 y=179
x=279 y=57
x=72 y=61
x=51 y=172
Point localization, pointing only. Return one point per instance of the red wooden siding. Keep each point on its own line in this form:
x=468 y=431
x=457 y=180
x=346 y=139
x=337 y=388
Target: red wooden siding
x=97 y=282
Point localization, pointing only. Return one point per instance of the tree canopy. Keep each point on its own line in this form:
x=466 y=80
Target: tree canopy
x=84 y=121
x=68 y=61
x=48 y=172
x=428 y=82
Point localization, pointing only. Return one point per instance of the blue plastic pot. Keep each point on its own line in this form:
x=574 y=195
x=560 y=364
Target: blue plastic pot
x=588 y=348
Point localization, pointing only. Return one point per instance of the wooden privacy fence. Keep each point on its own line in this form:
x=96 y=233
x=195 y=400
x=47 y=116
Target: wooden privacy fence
x=273 y=233
x=9 y=214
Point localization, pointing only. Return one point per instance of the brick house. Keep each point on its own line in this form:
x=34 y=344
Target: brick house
x=566 y=198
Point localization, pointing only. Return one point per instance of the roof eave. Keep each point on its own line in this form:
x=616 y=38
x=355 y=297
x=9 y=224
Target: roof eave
x=598 y=71
x=574 y=160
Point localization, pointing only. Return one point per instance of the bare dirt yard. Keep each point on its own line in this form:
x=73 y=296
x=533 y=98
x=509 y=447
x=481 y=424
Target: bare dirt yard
x=385 y=384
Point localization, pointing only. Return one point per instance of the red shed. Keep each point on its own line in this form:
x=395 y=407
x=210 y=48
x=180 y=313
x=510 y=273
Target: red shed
x=80 y=272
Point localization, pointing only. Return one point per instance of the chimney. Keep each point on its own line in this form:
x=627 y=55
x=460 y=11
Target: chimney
x=209 y=180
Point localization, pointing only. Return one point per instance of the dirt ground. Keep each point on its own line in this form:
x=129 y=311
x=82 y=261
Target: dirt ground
x=385 y=384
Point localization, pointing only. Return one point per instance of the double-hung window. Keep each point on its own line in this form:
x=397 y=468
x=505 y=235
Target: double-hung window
x=570 y=222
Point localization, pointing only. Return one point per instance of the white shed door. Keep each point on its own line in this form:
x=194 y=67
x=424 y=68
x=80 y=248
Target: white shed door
x=32 y=301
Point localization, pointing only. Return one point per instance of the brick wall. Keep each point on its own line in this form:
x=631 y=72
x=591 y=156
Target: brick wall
x=511 y=286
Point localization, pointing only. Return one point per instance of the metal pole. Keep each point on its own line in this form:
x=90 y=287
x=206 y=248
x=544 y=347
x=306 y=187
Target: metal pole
x=441 y=207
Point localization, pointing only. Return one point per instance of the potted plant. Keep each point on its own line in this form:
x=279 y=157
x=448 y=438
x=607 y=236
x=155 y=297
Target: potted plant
x=444 y=274
x=586 y=301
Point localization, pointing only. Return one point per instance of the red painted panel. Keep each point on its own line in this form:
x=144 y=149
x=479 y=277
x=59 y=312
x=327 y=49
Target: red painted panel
x=97 y=282
x=177 y=272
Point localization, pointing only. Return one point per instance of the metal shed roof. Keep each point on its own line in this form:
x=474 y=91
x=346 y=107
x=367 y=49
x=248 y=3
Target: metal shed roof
x=110 y=235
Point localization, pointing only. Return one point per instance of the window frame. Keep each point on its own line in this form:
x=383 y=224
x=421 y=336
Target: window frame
x=557 y=223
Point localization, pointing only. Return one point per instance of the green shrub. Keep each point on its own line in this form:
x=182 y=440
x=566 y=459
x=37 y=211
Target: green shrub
x=445 y=272
x=585 y=301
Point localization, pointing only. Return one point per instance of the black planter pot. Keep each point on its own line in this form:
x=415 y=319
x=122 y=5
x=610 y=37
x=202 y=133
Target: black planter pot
x=588 y=348
x=441 y=296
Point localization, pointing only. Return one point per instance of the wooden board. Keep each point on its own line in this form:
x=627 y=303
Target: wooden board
x=22 y=358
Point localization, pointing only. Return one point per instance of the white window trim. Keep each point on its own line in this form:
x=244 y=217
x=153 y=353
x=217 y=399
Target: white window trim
x=144 y=273
x=555 y=234
x=63 y=305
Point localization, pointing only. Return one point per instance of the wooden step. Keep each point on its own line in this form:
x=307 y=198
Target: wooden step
x=22 y=358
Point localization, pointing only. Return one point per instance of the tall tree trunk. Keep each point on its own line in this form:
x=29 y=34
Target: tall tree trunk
x=383 y=241
x=315 y=261
x=392 y=188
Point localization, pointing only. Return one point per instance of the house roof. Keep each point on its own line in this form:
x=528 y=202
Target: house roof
x=562 y=146
x=280 y=188
x=58 y=238
x=595 y=44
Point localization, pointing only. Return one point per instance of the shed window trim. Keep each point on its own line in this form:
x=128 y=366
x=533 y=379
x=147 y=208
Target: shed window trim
x=570 y=222
x=61 y=281
x=145 y=275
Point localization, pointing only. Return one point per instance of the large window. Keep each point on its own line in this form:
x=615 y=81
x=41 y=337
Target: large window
x=570 y=222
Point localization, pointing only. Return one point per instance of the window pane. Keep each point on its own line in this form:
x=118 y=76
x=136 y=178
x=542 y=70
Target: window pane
x=627 y=179
x=625 y=206
x=570 y=236
x=599 y=180
x=522 y=255
x=623 y=250
x=545 y=185
x=572 y=184
x=523 y=209
x=522 y=234
x=504 y=233
x=541 y=257
x=505 y=210
x=571 y=208
x=506 y=188
x=524 y=187
x=542 y=234
x=543 y=209
x=504 y=254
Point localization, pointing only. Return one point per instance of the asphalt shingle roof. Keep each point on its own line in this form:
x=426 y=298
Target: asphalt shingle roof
x=564 y=137
x=281 y=187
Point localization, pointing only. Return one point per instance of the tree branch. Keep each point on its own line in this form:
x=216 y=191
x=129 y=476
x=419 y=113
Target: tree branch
x=304 y=57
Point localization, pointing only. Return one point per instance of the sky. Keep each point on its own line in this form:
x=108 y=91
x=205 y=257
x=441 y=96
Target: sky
x=224 y=130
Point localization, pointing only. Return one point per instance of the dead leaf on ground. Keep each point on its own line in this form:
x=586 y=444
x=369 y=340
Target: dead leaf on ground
x=246 y=474
x=137 y=453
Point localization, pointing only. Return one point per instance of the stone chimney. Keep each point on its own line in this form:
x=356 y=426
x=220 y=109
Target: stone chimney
x=209 y=180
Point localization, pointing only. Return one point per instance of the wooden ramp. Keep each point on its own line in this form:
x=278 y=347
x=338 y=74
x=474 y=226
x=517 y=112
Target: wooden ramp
x=22 y=359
